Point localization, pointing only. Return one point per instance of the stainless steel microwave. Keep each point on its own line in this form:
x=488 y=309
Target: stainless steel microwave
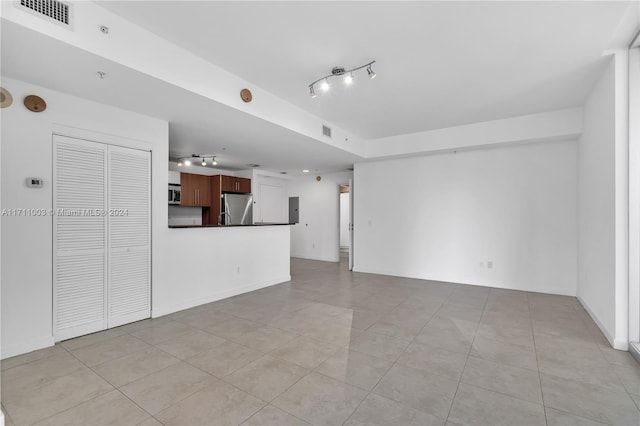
x=174 y=194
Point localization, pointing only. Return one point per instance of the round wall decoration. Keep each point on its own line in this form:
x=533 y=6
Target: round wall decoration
x=246 y=95
x=5 y=98
x=35 y=103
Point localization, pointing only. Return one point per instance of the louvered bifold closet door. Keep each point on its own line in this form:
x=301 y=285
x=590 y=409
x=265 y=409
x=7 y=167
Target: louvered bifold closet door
x=79 y=237
x=129 y=289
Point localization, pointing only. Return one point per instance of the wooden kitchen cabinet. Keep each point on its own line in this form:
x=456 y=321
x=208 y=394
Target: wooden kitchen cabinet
x=195 y=190
x=235 y=184
x=244 y=185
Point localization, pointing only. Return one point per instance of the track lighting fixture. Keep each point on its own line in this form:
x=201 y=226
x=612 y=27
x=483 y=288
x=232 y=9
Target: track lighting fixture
x=338 y=71
x=187 y=161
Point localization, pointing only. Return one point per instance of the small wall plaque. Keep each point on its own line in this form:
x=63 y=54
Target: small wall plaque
x=246 y=95
x=35 y=103
x=5 y=98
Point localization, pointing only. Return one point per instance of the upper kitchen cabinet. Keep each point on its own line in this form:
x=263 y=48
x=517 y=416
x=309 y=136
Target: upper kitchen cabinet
x=195 y=190
x=236 y=184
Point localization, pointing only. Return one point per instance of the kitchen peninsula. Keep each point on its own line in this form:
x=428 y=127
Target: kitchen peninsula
x=213 y=263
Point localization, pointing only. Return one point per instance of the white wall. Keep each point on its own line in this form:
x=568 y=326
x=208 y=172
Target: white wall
x=443 y=217
x=634 y=194
x=596 y=215
x=317 y=234
x=188 y=266
x=344 y=219
x=602 y=213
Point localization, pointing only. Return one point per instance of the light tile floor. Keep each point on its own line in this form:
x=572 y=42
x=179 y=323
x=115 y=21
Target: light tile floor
x=333 y=347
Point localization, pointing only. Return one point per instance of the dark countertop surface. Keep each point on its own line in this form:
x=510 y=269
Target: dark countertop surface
x=230 y=226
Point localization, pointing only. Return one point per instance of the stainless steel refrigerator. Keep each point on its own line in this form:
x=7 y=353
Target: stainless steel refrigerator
x=237 y=209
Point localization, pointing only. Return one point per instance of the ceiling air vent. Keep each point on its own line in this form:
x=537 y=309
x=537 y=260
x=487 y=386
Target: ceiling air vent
x=55 y=10
x=326 y=131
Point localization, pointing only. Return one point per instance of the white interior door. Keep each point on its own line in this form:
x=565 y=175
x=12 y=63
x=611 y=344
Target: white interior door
x=129 y=236
x=351 y=197
x=79 y=237
x=272 y=203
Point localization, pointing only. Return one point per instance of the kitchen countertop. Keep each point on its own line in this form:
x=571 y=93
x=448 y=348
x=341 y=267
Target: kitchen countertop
x=230 y=226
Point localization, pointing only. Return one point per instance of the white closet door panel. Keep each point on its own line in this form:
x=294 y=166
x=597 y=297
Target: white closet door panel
x=80 y=295
x=79 y=201
x=129 y=290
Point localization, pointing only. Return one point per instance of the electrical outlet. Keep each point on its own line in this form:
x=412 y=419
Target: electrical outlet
x=489 y=264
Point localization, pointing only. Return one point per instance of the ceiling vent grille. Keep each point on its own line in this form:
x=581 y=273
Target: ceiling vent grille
x=326 y=131
x=55 y=10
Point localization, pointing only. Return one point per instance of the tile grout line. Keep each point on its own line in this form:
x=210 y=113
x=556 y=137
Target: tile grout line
x=455 y=394
x=533 y=334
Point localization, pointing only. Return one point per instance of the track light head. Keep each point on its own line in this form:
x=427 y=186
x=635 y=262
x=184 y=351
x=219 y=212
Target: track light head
x=324 y=86
x=187 y=162
x=179 y=162
x=370 y=72
x=213 y=161
x=312 y=91
x=348 y=79
x=204 y=163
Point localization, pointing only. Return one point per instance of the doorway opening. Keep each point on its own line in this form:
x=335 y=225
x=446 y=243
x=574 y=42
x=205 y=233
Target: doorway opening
x=344 y=221
x=346 y=224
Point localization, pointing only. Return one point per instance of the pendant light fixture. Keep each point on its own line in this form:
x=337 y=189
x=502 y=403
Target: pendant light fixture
x=338 y=71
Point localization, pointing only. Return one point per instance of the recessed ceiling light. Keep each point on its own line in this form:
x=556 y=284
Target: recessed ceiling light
x=305 y=171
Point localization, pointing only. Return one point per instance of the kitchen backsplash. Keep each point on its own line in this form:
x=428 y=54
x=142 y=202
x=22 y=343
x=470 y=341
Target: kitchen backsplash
x=185 y=216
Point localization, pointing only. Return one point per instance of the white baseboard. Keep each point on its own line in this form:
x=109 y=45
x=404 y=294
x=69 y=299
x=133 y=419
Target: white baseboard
x=27 y=346
x=1 y=418
x=621 y=345
x=169 y=309
x=634 y=350
x=453 y=280
x=323 y=259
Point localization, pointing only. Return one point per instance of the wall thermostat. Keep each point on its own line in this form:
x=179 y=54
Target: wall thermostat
x=33 y=182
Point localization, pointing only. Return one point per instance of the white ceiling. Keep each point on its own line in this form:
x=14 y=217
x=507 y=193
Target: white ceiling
x=439 y=64
x=196 y=124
